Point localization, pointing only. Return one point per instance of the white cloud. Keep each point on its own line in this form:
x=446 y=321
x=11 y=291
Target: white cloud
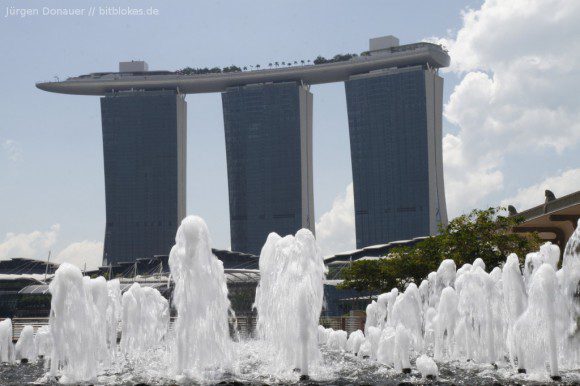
x=36 y=244
x=468 y=181
x=520 y=62
x=13 y=150
x=565 y=183
x=335 y=229
x=81 y=253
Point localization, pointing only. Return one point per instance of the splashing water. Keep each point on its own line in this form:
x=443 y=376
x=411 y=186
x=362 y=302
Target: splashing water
x=355 y=339
x=43 y=341
x=539 y=317
x=288 y=320
x=145 y=319
x=72 y=326
x=323 y=334
x=530 y=317
x=113 y=313
x=427 y=366
x=6 y=346
x=445 y=322
x=202 y=340
x=97 y=300
x=337 y=340
x=25 y=348
x=78 y=334
x=514 y=320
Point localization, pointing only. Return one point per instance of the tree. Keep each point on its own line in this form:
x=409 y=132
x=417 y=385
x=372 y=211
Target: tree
x=258 y=66
x=270 y=65
x=320 y=60
x=302 y=62
x=231 y=68
x=277 y=64
x=484 y=234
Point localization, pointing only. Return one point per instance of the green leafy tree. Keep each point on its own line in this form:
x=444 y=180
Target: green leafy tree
x=484 y=234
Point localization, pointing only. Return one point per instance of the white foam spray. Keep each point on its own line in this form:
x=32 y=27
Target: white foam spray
x=72 y=325
x=145 y=319
x=25 y=348
x=288 y=320
x=6 y=346
x=202 y=340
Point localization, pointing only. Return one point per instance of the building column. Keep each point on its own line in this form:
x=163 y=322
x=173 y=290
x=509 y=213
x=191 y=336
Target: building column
x=144 y=151
x=268 y=133
x=395 y=138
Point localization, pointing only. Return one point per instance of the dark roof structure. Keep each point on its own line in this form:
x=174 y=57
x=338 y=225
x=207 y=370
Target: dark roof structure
x=24 y=266
x=555 y=220
x=160 y=264
x=371 y=251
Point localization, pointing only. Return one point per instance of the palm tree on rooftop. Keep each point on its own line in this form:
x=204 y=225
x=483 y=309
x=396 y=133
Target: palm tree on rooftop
x=283 y=63
x=245 y=68
x=277 y=64
x=302 y=62
x=258 y=66
x=270 y=65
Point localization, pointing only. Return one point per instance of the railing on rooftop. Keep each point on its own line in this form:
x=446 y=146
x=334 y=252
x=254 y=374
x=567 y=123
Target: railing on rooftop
x=242 y=326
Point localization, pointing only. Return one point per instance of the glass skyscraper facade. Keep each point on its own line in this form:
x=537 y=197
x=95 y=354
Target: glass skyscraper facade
x=144 y=148
x=268 y=133
x=394 y=120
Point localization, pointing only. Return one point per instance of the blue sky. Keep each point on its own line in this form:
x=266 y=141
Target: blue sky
x=51 y=166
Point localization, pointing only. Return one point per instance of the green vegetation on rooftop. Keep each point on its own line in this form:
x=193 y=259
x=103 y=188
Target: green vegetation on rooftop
x=217 y=70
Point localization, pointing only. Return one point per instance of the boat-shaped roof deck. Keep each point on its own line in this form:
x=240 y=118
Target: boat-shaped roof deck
x=427 y=54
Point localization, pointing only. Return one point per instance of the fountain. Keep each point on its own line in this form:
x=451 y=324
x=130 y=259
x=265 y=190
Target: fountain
x=202 y=340
x=535 y=328
x=43 y=341
x=515 y=324
x=427 y=367
x=288 y=320
x=72 y=318
x=25 y=348
x=337 y=340
x=445 y=323
x=355 y=339
x=145 y=320
x=6 y=346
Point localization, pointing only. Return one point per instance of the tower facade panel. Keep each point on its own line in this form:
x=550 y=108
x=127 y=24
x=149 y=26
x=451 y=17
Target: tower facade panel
x=268 y=133
x=395 y=137
x=144 y=148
